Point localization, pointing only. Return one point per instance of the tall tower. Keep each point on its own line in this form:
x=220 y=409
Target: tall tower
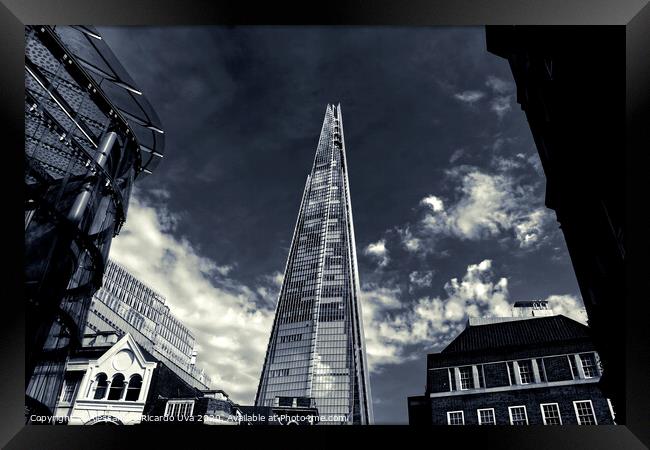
x=316 y=354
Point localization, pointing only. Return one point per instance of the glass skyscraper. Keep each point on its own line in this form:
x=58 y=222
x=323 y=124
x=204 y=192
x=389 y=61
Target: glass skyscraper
x=316 y=354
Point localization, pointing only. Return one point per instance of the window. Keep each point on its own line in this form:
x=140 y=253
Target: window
x=551 y=413
x=303 y=402
x=589 y=365
x=585 y=412
x=280 y=373
x=101 y=386
x=455 y=418
x=133 y=390
x=518 y=415
x=179 y=408
x=526 y=371
x=70 y=385
x=466 y=379
x=117 y=387
x=486 y=416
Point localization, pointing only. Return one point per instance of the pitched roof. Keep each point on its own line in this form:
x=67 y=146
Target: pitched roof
x=539 y=330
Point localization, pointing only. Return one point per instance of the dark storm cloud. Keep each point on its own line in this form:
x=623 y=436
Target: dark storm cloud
x=242 y=109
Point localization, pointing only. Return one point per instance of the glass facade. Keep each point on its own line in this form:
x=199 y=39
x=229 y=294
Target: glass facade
x=89 y=134
x=125 y=304
x=316 y=351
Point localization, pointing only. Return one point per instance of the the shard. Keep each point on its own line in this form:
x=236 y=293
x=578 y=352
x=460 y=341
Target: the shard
x=316 y=355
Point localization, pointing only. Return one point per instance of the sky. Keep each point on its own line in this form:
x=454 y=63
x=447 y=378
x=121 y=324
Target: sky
x=447 y=188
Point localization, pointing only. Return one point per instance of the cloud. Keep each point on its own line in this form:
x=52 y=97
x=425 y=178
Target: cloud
x=225 y=316
x=277 y=278
x=501 y=105
x=378 y=251
x=397 y=331
x=500 y=201
x=456 y=155
x=501 y=95
x=433 y=202
x=408 y=240
x=392 y=330
x=420 y=279
x=530 y=229
x=488 y=205
x=568 y=305
x=469 y=96
x=499 y=86
x=376 y=302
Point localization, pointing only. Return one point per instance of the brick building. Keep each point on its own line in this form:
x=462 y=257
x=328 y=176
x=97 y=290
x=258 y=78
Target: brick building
x=539 y=370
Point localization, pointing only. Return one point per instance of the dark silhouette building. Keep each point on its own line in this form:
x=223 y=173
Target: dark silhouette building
x=571 y=85
x=89 y=134
x=538 y=370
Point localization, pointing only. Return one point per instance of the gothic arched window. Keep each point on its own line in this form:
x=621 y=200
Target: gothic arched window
x=117 y=387
x=102 y=384
x=133 y=390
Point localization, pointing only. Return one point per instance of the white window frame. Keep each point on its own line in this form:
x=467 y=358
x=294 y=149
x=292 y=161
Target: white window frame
x=510 y=408
x=494 y=417
x=169 y=407
x=462 y=416
x=531 y=374
x=557 y=406
x=593 y=411
x=470 y=380
x=594 y=367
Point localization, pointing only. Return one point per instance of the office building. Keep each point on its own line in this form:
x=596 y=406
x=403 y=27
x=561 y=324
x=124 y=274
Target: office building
x=316 y=353
x=126 y=305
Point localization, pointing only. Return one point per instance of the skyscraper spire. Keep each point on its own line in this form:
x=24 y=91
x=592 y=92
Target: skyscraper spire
x=316 y=353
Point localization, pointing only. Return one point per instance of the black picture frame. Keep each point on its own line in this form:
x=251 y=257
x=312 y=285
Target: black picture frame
x=633 y=15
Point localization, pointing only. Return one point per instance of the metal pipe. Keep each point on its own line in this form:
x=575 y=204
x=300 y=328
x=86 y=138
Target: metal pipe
x=101 y=157
x=105 y=147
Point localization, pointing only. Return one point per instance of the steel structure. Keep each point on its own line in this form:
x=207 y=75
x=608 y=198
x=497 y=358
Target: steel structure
x=89 y=134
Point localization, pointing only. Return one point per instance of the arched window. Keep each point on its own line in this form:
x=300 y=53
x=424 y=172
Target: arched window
x=102 y=384
x=133 y=391
x=117 y=387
